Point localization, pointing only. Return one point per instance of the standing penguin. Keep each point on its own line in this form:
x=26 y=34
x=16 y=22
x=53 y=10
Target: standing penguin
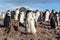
x=56 y=18
x=22 y=16
x=12 y=14
x=16 y=14
x=30 y=23
x=37 y=17
x=59 y=16
x=7 y=21
x=52 y=20
x=47 y=15
x=2 y=14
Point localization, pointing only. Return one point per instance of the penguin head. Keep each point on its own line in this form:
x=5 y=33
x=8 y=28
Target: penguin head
x=17 y=10
x=8 y=13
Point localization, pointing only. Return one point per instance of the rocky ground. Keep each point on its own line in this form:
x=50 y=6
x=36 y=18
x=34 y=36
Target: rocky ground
x=18 y=33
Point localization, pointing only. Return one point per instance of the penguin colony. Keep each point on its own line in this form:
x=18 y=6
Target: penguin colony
x=32 y=18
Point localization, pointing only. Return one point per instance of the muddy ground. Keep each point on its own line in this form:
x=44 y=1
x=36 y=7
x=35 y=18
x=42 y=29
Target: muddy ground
x=19 y=33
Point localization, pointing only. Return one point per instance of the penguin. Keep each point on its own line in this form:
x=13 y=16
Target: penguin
x=30 y=23
x=47 y=15
x=52 y=20
x=16 y=14
x=12 y=14
x=22 y=16
x=2 y=14
x=7 y=21
x=37 y=17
